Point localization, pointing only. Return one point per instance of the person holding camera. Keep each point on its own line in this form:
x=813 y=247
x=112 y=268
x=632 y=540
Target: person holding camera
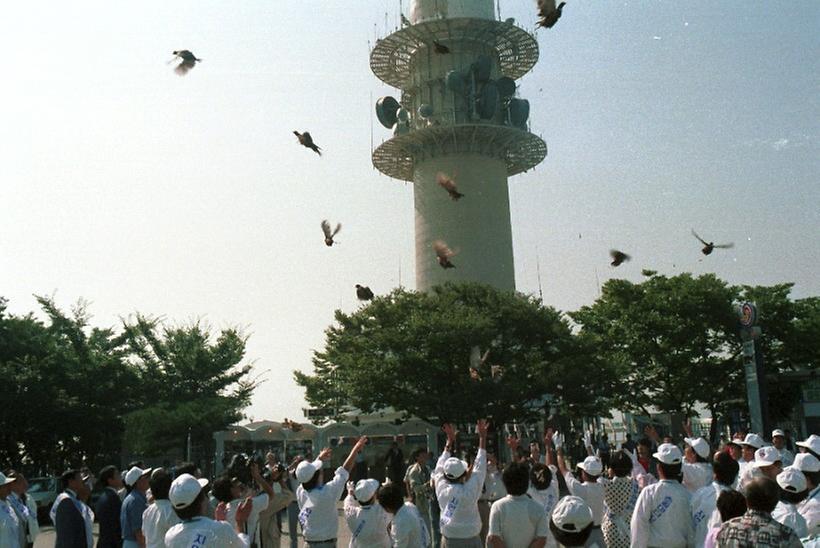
x=269 y=533
x=232 y=491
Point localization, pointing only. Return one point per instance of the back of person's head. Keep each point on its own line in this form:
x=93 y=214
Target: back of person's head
x=107 y=474
x=793 y=485
x=645 y=442
x=390 y=497
x=416 y=452
x=516 y=478
x=730 y=504
x=725 y=468
x=187 y=468
x=670 y=471
x=621 y=464
x=67 y=476
x=160 y=483
x=762 y=494
x=192 y=510
x=222 y=489
x=571 y=521
x=540 y=476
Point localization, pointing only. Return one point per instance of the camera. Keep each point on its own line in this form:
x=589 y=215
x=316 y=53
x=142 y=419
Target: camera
x=240 y=466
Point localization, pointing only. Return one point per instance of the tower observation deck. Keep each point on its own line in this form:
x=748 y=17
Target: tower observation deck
x=458 y=114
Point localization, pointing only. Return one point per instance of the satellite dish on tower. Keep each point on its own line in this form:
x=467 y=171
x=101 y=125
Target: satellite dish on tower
x=456 y=82
x=386 y=109
x=519 y=112
x=506 y=87
x=488 y=101
x=482 y=67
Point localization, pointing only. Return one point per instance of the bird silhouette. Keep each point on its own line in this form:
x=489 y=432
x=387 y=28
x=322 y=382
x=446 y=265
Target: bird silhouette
x=440 y=48
x=363 y=293
x=307 y=141
x=708 y=247
x=443 y=254
x=404 y=20
x=330 y=234
x=187 y=61
x=547 y=16
x=449 y=184
x=618 y=257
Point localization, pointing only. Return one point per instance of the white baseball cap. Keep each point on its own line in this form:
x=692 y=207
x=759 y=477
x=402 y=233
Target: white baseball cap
x=572 y=514
x=185 y=489
x=592 y=466
x=668 y=454
x=365 y=489
x=766 y=456
x=306 y=470
x=778 y=432
x=4 y=480
x=792 y=480
x=454 y=468
x=699 y=445
x=806 y=462
x=753 y=440
x=812 y=443
x=135 y=474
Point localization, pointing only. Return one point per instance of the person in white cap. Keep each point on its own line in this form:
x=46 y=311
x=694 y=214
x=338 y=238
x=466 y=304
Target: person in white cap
x=793 y=490
x=589 y=489
x=317 y=501
x=705 y=514
x=516 y=519
x=662 y=516
x=571 y=522
x=697 y=472
x=810 y=507
x=748 y=446
x=160 y=515
x=10 y=525
x=810 y=445
x=407 y=529
x=133 y=507
x=457 y=490
x=766 y=463
x=779 y=441
x=188 y=497
x=366 y=519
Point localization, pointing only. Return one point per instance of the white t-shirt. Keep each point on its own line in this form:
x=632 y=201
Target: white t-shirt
x=317 y=507
x=703 y=508
x=408 y=529
x=368 y=524
x=205 y=533
x=260 y=503
x=662 y=517
x=696 y=475
x=459 y=501
x=9 y=526
x=592 y=493
x=810 y=510
x=518 y=520
x=156 y=520
x=788 y=515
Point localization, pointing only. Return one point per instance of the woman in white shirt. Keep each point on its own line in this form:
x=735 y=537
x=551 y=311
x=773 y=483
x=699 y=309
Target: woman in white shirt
x=366 y=519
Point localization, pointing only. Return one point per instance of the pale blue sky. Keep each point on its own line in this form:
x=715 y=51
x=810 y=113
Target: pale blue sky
x=138 y=190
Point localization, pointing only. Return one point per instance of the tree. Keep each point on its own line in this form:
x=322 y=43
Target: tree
x=188 y=382
x=672 y=340
x=411 y=351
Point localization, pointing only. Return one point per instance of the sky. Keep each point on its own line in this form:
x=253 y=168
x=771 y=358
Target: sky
x=188 y=197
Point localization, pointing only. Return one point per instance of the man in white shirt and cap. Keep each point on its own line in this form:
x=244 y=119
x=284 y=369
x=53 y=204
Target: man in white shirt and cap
x=571 y=523
x=458 y=487
x=188 y=496
x=317 y=501
x=810 y=507
x=810 y=445
x=25 y=507
x=766 y=463
x=703 y=506
x=9 y=523
x=779 y=441
x=367 y=520
x=662 y=515
x=793 y=490
x=133 y=507
x=590 y=489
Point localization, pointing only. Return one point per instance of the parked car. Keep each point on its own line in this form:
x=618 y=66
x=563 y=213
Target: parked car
x=44 y=491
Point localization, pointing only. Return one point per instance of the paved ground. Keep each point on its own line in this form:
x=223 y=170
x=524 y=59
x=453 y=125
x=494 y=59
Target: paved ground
x=47 y=536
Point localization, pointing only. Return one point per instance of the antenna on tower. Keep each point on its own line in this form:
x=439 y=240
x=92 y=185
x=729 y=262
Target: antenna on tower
x=538 y=271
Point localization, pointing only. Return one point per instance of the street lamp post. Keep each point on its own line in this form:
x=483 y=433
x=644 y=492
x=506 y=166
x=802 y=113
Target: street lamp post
x=753 y=368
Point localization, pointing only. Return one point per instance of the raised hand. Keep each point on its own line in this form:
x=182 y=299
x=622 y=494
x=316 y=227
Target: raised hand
x=481 y=427
x=325 y=453
x=450 y=430
x=221 y=512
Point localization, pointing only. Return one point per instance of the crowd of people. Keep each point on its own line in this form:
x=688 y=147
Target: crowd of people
x=654 y=493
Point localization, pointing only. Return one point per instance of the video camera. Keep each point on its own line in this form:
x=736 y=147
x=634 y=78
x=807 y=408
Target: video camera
x=240 y=466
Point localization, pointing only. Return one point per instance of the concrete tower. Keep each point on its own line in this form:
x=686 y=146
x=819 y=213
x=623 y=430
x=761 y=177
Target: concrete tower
x=456 y=67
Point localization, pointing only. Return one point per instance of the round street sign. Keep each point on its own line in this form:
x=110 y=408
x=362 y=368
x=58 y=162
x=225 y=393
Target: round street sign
x=748 y=314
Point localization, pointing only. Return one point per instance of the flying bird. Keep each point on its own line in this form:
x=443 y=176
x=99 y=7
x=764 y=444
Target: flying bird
x=330 y=234
x=449 y=184
x=443 y=254
x=363 y=293
x=618 y=257
x=708 y=247
x=440 y=48
x=187 y=61
x=307 y=141
x=548 y=16
x=404 y=20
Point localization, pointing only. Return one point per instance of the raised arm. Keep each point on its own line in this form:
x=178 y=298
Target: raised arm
x=261 y=481
x=450 y=432
x=351 y=458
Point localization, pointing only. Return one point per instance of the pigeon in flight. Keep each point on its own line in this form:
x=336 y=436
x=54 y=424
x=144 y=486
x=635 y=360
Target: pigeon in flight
x=330 y=234
x=710 y=246
x=187 y=61
x=363 y=293
x=443 y=254
x=307 y=141
x=449 y=184
x=548 y=17
x=618 y=257
x=440 y=48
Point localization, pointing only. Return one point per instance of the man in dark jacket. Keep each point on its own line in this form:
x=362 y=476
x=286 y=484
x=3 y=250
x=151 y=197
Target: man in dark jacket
x=72 y=519
x=108 y=508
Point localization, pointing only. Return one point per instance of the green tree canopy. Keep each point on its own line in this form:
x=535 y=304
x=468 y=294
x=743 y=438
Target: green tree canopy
x=411 y=351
